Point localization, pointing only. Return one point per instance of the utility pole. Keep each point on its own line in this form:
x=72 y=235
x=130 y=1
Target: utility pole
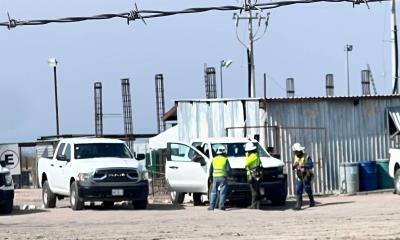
x=348 y=48
x=249 y=7
x=395 y=51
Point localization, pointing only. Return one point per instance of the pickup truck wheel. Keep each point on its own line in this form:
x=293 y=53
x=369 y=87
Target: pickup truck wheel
x=177 y=197
x=48 y=197
x=76 y=203
x=108 y=204
x=197 y=201
x=397 y=182
x=7 y=207
x=142 y=204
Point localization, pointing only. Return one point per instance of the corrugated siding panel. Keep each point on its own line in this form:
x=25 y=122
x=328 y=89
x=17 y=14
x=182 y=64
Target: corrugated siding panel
x=334 y=130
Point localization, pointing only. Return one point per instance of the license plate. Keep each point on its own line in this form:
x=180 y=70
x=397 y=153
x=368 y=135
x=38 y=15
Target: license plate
x=117 y=192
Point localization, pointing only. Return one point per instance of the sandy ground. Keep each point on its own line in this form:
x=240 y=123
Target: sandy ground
x=372 y=216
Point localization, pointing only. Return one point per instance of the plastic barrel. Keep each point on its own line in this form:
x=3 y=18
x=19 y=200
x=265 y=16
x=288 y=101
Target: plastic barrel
x=349 y=178
x=368 y=176
x=384 y=180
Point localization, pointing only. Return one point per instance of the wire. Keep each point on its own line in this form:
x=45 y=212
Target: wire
x=132 y=15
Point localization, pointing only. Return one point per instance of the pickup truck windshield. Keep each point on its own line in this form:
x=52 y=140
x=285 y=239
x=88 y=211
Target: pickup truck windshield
x=237 y=149
x=99 y=150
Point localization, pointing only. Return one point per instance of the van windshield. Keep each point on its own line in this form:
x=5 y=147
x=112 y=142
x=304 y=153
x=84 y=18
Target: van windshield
x=101 y=150
x=237 y=149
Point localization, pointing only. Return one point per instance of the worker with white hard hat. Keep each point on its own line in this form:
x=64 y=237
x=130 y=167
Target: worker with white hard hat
x=254 y=173
x=220 y=170
x=302 y=164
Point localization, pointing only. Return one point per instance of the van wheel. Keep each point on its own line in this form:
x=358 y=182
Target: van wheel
x=177 y=197
x=76 y=203
x=48 y=197
x=397 y=181
x=7 y=207
x=197 y=201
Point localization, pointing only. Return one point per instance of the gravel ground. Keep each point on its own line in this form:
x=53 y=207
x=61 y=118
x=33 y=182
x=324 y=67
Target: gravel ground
x=370 y=216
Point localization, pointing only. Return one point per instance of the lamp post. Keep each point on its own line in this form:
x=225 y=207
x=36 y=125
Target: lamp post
x=53 y=64
x=348 y=49
x=226 y=64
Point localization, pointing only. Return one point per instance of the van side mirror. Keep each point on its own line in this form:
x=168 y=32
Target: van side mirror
x=140 y=156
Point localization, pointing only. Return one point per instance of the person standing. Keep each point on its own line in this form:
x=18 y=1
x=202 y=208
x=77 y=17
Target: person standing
x=220 y=169
x=253 y=166
x=302 y=164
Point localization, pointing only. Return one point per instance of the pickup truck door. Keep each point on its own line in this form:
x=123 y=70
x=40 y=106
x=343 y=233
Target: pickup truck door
x=64 y=168
x=185 y=168
x=55 y=171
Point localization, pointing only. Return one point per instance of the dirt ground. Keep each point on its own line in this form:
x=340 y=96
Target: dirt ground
x=371 y=216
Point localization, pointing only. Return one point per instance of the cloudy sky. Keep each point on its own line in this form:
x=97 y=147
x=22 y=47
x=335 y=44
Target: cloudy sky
x=303 y=41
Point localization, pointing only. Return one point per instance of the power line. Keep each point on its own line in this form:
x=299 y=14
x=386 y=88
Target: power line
x=135 y=14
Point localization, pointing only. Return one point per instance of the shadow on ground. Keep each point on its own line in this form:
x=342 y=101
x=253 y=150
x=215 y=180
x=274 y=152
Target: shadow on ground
x=26 y=212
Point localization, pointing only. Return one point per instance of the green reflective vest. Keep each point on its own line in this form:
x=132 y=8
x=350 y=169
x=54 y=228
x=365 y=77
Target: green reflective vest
x=301 y=162
x=251 y=162
x=219 y=166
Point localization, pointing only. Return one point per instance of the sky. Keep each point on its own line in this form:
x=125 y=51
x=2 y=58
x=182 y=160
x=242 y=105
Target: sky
x=304 y=42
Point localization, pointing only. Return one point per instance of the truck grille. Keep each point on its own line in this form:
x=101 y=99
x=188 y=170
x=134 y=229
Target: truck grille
x=116 y=175
x=2 y=180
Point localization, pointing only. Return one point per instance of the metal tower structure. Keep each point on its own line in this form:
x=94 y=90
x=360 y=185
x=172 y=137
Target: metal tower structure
x=127 y=111
x=160 y=103
x=98 y=109
x=211 y=84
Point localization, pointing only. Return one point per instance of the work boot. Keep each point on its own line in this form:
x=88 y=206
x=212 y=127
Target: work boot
x=312 y=202
x=299 y=202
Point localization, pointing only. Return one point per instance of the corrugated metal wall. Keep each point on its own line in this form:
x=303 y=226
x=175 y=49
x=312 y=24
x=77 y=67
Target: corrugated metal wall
x=334 y=129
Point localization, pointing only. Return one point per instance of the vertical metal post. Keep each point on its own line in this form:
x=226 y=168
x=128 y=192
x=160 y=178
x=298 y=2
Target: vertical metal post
x=251 y=53
x=159 y=82
x=265 y=85
x=348 y=48
x=220 y=70
x=127 y=111
x=98 y=109
x=395 y=50
x=56 y=99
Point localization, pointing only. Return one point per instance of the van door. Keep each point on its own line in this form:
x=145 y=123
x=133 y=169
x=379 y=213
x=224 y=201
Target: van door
x=185 y=169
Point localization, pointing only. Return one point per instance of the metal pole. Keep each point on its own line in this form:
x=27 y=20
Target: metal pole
x=251 y=51
x=395 y=57
x=220 y=65
x=56 y=99
x=347 y=63
x=265 y=85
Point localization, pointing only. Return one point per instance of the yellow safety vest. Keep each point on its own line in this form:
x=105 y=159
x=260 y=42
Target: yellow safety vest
x=251 y=161
x=219 y=166
x=302 y=161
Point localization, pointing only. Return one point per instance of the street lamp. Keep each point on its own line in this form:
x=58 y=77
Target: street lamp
x=226 y=64
x=348 y=48
x=53 y=64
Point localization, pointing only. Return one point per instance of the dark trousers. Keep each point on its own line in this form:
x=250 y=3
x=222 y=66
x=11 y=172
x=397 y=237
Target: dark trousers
x=306 y=185
x=255 y=192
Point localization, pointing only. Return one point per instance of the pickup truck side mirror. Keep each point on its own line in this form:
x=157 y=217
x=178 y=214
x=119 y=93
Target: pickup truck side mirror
x=62 y=157
x=140 y=156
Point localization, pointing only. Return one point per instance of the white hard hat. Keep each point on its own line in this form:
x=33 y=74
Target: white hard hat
x=297 y=147
x=221 y=150
x=249 y=147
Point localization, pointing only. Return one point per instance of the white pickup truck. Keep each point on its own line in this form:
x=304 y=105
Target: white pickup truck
x=187 y=170
x=93 y=169
x=394 y=168
x=6 y=191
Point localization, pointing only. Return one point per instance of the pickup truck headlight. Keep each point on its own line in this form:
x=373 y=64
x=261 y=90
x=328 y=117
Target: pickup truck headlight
x=84 y=176
x=9 y=181
x=144 y=175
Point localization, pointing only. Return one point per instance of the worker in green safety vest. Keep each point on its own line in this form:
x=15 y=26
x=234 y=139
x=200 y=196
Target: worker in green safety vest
x=220 y=169
x=254 y=173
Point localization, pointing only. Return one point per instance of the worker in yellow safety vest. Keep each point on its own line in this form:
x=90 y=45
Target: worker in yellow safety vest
x=219 y=169
x=302 y=164
x=254 y=173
